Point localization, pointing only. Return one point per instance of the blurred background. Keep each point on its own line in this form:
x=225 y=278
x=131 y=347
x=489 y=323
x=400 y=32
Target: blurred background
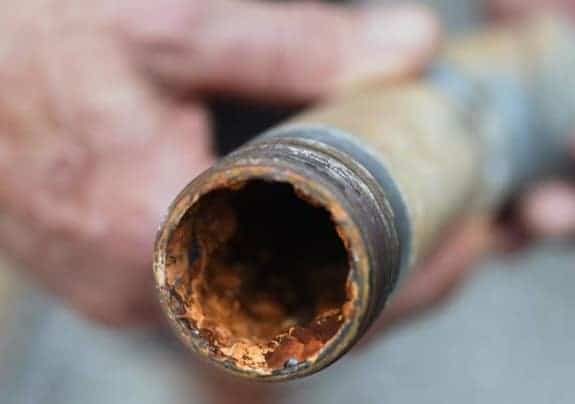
x=506 y=337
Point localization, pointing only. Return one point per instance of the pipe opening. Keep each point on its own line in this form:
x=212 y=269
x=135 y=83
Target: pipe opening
x=262 y=275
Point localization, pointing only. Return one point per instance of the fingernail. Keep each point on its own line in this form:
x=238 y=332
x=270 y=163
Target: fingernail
x=408 y=28
x=153 y=20
x=392 y=43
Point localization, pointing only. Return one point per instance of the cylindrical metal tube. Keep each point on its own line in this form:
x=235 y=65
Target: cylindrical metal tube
x=275 y=261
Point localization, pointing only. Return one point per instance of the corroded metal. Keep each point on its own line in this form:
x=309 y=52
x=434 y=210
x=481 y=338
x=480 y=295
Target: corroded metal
x=380 y=173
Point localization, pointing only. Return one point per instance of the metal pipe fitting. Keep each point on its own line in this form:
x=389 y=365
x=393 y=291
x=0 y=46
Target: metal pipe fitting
x=274 y=262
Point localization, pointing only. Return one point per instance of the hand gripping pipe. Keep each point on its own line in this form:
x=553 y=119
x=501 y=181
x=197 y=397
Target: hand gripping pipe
x=274 y=262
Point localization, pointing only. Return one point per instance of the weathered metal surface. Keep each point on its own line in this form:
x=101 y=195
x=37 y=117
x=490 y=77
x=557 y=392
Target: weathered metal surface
x=389 y=167
x=318 y=176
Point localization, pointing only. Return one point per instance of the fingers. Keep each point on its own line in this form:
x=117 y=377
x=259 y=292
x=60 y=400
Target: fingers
x=87 y=235
x=288 y=52
x=440 y=275
x=90 y=158
x=549 y=210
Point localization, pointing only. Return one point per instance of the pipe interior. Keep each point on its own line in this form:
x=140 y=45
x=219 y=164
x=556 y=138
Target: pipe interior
x=265 y=275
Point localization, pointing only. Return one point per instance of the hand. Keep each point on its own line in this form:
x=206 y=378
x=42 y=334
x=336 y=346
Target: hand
x=103 y=121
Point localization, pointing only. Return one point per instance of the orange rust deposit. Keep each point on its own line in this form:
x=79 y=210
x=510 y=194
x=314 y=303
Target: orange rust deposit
x=262 y=276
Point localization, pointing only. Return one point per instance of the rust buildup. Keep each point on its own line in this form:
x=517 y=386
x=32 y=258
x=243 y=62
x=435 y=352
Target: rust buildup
x=265 y=280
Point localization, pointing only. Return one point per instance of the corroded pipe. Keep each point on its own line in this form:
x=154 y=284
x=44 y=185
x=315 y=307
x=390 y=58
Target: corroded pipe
x=275 y=261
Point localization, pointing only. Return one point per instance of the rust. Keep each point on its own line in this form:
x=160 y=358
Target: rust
x=252 y=283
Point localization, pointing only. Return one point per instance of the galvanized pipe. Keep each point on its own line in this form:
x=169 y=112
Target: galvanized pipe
x=274 y=262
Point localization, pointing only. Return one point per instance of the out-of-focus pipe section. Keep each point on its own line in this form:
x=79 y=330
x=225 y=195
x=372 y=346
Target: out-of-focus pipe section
x=273 y=263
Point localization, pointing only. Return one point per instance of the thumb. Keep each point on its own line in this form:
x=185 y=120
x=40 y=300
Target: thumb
x=277 y=52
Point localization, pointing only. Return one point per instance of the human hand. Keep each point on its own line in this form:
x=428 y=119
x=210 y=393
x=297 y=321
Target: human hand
x=102 y=118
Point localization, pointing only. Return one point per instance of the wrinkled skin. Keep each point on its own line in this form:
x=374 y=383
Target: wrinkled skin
x=91 y=154
x=96 y=138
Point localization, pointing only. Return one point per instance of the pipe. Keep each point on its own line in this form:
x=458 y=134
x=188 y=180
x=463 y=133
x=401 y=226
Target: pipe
x=273 y=263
